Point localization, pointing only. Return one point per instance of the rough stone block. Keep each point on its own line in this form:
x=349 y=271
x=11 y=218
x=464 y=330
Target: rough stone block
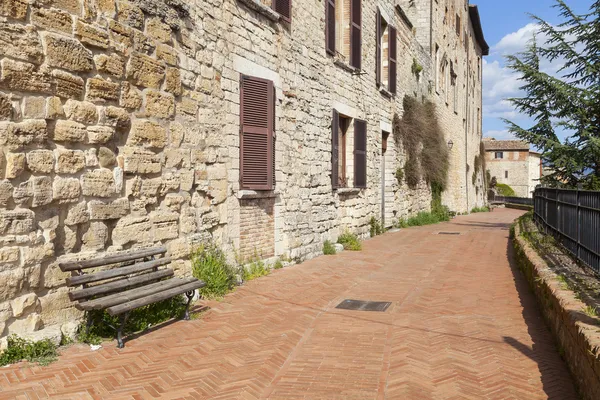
x=95 y=237
x=165 y=225
x=91 y=158
x=177 y=158
x=52 y=20
x=42 y=190
x=100 y=134
x=131 y=98
x=166 y=54
x=16 y=9
x=98 y=183
x=140 y=161
x=142 y=43
x=66 y=190
x=81 y=111
x=101 y=90
x=145 y=71
x=6 y=108
x=132 y=229
x=34 y=107
x=15 y=165
x=159 y=105
x=23 y=194
x=110 y=64
x=158 y=30
x=115 y=116
x=130 y=15
x=77 y=214
x=25 y=133
x=92 y=35
x=21 y=42
x=147 y=133
x=112 y=210
x=69 y=131
x=16 y=222
x=6 y=192
x=40 y=161
x=54 y=108
x=107 y=7
x=73 y=6
x=106 y=157
x=22 y=304
x=67 y=85
x=188 y=106
x=173 y=81
x=23 y=77
x=9 y=255
x=67 y=53
x=70 y=161
x=121 y=35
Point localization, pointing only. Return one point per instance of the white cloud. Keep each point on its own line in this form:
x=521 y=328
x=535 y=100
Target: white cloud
x=499 y=135
x=517 y=41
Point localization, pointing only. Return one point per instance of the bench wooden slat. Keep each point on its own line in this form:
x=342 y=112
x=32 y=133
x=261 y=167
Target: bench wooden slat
x=119 y=284
x=144 y=301
x=133 y=294
x=117 y=258
x=112 y=273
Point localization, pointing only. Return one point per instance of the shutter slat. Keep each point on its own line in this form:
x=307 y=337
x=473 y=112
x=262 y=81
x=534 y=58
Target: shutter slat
x=393 y=54
x=378 y=48
x=283 y=8
x=335 y=149
x=360 y=153
x=355 y=33
x=256 y=139
x=330 y=26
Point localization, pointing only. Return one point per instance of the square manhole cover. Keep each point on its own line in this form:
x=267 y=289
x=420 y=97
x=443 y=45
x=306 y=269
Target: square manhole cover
x=448 y=233
x=361 y=305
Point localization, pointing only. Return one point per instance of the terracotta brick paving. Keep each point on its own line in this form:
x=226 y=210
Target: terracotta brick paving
x=462 y=325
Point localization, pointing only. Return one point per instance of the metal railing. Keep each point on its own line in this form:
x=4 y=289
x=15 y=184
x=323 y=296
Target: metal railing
x=512 y=200
x=572 y=217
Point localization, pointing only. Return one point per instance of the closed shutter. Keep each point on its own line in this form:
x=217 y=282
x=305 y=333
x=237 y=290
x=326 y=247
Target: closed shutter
x=335 y=149
x=274 y=137
x=355 y=33
x=330 y=26
x=256 y=139
x=283 y=8
x=360 y=153
x=378 y=48
x=392 y=59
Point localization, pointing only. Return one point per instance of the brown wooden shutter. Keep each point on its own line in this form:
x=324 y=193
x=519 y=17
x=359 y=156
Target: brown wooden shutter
x=378 y=48
x=360 y=153
x=256 y=139
x=392 y=51
x=335 y=149
x=283 y=8
x=274 y=135
x=330 y=26
x=355 y=33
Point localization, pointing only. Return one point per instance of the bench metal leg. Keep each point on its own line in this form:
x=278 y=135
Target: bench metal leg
x=88 y=325
x=123 y=320
x=190 y=296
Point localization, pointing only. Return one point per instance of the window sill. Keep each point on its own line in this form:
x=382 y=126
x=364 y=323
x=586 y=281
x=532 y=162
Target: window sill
x=339 y=62
x=256 y=194
x=385 y=92
x=262 y=9
x=348 y=191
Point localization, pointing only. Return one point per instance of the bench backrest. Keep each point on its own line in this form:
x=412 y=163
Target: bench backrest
x=130 y=272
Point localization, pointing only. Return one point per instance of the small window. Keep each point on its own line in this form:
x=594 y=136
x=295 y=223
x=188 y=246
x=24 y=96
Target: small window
x=385 y=54
x=343 y=25
x=349 y=157
x=458 y=25
x=283 y=8
x=506 y=174
x=499 y=154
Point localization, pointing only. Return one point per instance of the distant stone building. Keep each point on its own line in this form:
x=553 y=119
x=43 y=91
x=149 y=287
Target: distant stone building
x=513 y=163
x=263 y=125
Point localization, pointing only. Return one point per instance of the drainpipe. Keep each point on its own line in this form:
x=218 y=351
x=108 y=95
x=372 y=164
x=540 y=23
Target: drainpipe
x=467 y=118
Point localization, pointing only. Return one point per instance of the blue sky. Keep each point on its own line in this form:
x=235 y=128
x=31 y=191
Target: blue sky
x=507 y=28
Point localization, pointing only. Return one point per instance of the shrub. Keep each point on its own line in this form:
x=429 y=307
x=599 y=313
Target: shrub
x=278 y=264
x=43 y=352
x=350 y=241
x=480 y=209
x=399 y=175
x=328 y=248
x=375 y=227
x=209 y=264
x=505 y=190
x=256 y=269
x=416 y=68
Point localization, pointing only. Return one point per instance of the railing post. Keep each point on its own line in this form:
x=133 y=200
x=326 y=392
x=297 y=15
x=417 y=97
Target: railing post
x=578 y=226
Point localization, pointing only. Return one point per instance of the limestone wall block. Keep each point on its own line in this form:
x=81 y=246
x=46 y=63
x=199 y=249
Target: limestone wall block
x=6 y=108
x=101 y=90
x=91 y=158
x=130 y=15
x=81 y=111
x=165 y=225
x=120 y=35
x=16 y=222
x=21 y=42
x=77 y=214
x=159 y=104
x=66 y=190
x=42 y=190
x=23 y=77
x=57 y=308
x=23 y=133
x=116 y=209
x=67 y=85
x=73 y=6
x=112 y=64
x=167 y=54
x=98 y=183
x=173 y=81
x=15 y=165
x=16 y=9
x=106 y=157
x=107 y=7
x=67 y=53
x=147 y=133
x=12 y=283
x=52 y=19
x=8 y=255
x=6 y=192
x=40 y=161
x=100 y=134
x=34 y=107
x=132 y=229
x=131 y=98
x=158 y=30
x=69 y=131
x=54 y=108
x=145 y=71
x=28 y=324
x=115 y=117
x=92 y=35
x=142 y=43
x=95 y=237
x=22 y=304
x=70 y=161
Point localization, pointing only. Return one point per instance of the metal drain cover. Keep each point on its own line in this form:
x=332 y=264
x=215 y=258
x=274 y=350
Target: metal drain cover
x=448 y=233
x=361 y=305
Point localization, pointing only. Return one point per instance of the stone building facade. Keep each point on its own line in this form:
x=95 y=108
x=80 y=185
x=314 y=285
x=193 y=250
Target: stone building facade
x=120 y=128
x=514 y=164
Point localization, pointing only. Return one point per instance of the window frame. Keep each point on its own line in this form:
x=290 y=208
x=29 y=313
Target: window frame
x=501 y=157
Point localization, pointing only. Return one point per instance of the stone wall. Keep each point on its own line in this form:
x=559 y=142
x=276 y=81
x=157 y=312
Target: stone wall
x=120 y=130
x=517 y=164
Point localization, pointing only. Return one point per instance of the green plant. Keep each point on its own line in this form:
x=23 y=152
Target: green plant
x=350 y=241
x=416 y=68
x=42 y=352
x=399 y=175
x=210 y=265
x=328 y=248
x=375 y=227
x=278 y=264
x=505 y=190
x=255 y=269
x=564 y=283
x=590 y=311
x=480 y=209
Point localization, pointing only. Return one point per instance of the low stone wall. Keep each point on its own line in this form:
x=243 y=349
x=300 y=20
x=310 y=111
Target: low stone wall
x=578 y=335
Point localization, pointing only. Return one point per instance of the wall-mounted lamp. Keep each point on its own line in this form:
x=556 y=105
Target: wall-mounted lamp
x=450 y=144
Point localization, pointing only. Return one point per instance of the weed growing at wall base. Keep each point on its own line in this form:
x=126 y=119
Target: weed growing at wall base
x=209 y=264
x=480 y=209
x=42 y=352
x=350 y=241
x=328 y=248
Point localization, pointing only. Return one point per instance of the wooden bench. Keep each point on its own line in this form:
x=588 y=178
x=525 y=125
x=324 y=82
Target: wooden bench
x=135 y=282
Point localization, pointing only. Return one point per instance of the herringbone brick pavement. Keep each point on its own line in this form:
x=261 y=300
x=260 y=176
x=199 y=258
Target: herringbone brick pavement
x=462 y=325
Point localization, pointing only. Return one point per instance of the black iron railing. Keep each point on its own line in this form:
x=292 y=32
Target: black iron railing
x=572 y=217
x=512 y=200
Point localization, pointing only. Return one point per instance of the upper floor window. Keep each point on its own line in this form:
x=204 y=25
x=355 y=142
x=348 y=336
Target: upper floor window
x=458 y=25
x=283 y=8
x=343 y=24
x=499 y=154
x=385 y=54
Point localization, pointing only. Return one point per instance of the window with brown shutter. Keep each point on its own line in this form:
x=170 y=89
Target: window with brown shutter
x=378 y=48
x=330 y=26
x=392 y=52
x=355 y=33
x=335 y=149
x=360 y=153
x=283 y=8
x=256 y=133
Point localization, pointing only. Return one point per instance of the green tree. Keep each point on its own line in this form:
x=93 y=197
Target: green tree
x=570 y=102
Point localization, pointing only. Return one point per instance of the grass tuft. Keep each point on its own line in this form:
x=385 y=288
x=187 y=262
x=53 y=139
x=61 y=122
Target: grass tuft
x=42 y=352
x=209 y=264
x=328 y=248
x=350 y=241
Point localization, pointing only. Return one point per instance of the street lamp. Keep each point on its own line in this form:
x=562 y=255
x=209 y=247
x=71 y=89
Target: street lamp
x=450 y=144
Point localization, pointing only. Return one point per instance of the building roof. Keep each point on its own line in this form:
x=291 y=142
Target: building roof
x=492 y=145
x=476 y=21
